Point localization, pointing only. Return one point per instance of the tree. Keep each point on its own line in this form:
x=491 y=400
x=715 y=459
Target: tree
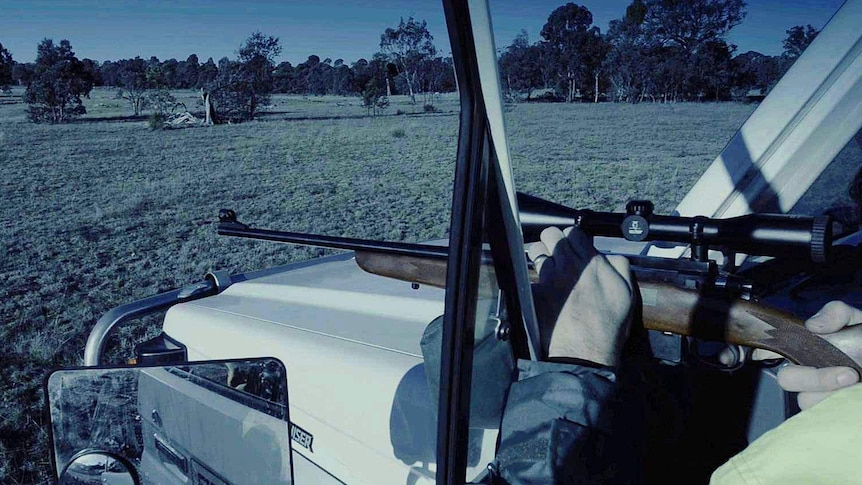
x=257 y=61
x=207 y=73
x=6 y=65
x=162 y=101
x=753 y=70
x=435 y=75
x=713 y=62
x=305 y=74
x=109 y=72
x=673 y=49
x=595 y=51
x=374 y=99
x=690 y=24
x=170 y=73
x=244 y=85
x=520 y=67
x=187 y=72
x=630 y=62
x=340 y=79
x=59 y=81
x=567 y=32
x=284 y=77
x=798 y=38
x=364 y=71
x=319 y=75
x=134 y=83
x=158 y=80
x=22 y=73
x=408 y=47
x=92 y=68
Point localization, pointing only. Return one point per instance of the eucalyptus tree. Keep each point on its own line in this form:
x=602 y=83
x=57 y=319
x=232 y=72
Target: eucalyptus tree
x=408 y=46
x=692 y=24
x=797 y=40
x=567 y=34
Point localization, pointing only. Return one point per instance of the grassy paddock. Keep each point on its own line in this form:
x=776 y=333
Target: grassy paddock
x=103 y=211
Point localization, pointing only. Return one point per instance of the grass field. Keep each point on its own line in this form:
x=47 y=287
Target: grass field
x=103 y=211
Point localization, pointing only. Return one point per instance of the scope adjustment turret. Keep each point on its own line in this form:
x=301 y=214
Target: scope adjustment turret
x=643 y=208
x=821 y=236
x=635 y=226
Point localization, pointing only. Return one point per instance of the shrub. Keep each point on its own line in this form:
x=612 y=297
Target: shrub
x=162 y=101
x=244 y=86
x=373 y=98
x=429 y=108
x=156 y=121
x=399 y=133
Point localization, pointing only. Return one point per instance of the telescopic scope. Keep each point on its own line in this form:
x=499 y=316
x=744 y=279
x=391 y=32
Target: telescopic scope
x=783 y=235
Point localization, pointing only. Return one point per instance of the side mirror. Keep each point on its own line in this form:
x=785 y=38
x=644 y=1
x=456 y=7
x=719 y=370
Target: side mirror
x=214 y=422
x=99 y=467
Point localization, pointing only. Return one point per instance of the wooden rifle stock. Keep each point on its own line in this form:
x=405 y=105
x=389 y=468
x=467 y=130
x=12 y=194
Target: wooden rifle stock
x=708 y=315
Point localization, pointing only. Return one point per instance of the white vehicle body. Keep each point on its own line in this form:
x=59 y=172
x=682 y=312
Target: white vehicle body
x=347 y=337
x=350 y=340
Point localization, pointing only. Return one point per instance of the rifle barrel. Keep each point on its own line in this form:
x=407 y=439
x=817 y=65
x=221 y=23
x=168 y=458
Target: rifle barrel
x=336 y=242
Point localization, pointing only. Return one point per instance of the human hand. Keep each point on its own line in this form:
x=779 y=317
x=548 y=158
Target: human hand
x=837 y=323
x=583 y=298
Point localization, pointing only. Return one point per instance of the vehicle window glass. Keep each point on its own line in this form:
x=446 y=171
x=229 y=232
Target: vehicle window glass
x=492 y=370
x=319 y=129
x=838 y=189
x=612 y=101
x=255 y=383
x=318 y=125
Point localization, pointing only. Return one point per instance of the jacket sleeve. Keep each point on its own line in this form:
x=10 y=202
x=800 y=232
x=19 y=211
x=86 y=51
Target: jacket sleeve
x=820 y=445
x=570 y=424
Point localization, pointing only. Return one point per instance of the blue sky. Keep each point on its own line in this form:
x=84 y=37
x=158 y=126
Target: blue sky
x=114 y=29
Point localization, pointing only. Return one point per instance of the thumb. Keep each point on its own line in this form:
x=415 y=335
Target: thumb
x=798 y=378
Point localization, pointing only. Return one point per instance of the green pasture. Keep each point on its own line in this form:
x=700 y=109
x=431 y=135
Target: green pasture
x=102 y=211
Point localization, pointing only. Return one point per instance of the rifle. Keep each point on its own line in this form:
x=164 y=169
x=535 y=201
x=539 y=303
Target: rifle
x=689 y=297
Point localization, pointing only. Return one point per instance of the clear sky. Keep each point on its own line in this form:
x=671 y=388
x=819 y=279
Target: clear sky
x=346 y=29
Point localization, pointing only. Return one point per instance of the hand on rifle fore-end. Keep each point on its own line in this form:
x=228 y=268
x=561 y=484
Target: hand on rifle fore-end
x=838 y=323
x=583 y=298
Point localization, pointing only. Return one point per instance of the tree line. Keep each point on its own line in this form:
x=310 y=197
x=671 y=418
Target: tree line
x=660 y=50
x=233 y=89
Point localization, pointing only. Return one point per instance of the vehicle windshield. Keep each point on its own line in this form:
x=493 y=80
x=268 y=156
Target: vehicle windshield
x=837 y=191
x=604 y=108
x=601 y=108
x=645 y=106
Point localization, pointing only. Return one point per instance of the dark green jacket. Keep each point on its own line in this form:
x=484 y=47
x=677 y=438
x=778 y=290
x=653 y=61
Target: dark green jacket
x=569 y=424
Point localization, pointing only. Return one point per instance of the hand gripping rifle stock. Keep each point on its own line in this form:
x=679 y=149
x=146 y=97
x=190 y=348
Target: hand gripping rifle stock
x=707 y=314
